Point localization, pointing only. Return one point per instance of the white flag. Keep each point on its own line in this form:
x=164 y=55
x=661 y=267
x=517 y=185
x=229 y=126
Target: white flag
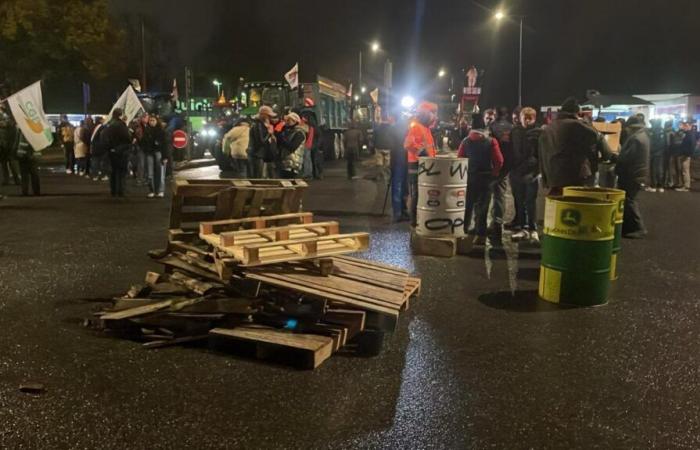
x=28 y=110
x=129 y=103
x=292 y=77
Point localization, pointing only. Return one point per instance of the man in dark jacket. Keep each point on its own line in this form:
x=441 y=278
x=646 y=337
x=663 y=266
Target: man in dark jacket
x=566 y=149
x=501 y=130
x=524 y=176
x=632 y=170
x=658 y=147
x=485 y=163
x=263 y=144
x=28 y=164
x=352 y=138
x=117 y=141
x=684 y=155
x=8 y=158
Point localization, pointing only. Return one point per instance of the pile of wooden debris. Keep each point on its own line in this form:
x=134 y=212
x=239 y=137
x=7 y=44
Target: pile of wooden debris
x=275 y=286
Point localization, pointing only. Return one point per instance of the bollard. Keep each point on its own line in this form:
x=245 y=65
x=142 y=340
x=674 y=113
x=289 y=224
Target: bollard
x=616 y=196
x=577 y=246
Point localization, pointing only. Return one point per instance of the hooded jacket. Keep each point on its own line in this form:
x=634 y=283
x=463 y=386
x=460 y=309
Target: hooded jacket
x=484 y=153
x=566 y=148
x=633 y=162
x=292 y=146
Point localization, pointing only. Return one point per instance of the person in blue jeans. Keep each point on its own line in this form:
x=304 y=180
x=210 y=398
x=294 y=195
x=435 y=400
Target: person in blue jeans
x=524 y=176
x=155 y=151
x=485 y=163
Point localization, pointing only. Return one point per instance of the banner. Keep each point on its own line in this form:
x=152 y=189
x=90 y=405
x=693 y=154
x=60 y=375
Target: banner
x=292 y=77
x=28 y=110
x=374 y=95
x=129 y=103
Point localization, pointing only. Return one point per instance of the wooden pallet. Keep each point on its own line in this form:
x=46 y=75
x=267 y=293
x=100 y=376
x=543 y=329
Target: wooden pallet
x=277 y=251
x=272 y=234
x=210 y=200
x=247 y=223
x=205 y=187
x=313 y=348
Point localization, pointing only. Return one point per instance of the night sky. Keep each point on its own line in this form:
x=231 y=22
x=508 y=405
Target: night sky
x=621 y=46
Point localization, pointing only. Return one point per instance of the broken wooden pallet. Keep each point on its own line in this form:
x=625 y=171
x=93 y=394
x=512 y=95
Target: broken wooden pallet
x=252 y=255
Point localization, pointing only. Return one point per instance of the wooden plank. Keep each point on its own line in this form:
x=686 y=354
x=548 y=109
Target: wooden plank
x=178 y=234
x=317 y=348
x=372 y=264
x=339 y=297
x=194 y=285
x=138 y=311
x=175 y=263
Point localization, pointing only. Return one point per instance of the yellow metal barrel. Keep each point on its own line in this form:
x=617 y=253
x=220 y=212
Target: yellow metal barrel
x=618 y=197
x=577 y=247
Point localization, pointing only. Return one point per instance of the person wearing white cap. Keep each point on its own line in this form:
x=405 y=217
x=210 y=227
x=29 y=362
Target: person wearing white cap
x=263 y=145
x=292 y=146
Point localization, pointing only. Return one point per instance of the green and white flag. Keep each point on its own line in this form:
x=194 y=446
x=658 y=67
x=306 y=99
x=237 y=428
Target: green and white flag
x=28 y=110
x=129 y=103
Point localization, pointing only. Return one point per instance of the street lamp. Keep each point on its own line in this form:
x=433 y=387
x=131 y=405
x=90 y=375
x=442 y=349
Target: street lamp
x=500 y=15
x=363 y=89
x=442 y=73
x=218 y=84
x=375 y=46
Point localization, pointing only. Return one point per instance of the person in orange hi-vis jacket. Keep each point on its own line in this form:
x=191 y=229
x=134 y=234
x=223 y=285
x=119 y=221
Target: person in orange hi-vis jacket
x=418 y=143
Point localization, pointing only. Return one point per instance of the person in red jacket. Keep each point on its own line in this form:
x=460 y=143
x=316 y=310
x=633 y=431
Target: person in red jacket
x=485 y=164
x=419 y=143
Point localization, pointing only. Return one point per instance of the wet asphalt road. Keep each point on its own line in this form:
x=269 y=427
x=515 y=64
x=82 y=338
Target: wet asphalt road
x=478 y=362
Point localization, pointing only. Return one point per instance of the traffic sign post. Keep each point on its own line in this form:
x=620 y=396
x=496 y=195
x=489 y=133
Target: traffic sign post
x=180 y=139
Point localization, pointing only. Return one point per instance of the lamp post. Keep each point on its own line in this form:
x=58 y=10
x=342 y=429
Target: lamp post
x=500 y=15
x=375 y=47
x=218 y=84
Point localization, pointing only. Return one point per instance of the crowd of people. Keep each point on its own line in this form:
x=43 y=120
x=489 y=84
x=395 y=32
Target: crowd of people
x=274 y=146
x=113 y=150
x=513 y=152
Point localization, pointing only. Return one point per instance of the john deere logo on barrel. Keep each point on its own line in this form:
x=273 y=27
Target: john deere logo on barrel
x=571 y=217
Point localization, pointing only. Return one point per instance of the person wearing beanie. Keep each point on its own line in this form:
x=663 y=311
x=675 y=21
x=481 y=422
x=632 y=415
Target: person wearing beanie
x=632 y=169
x=485 y=163
x=567 y=149
x=292 y=145
x=419 y=142
x=501 y=130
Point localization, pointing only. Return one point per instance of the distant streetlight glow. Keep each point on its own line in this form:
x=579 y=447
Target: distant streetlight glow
x=442 y=73
x=500 y=15
x=216 y=83
x=375 y=47
x=408 y=102
x=363 y=89
x=357 y=98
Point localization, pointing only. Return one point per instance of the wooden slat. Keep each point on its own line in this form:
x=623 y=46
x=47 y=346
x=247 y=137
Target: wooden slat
x=137 y=311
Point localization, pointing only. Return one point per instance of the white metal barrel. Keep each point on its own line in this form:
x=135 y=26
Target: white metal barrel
x=442 y=196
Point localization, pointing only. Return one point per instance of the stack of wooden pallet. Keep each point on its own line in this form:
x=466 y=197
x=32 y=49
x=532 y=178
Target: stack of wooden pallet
x=275 y=286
